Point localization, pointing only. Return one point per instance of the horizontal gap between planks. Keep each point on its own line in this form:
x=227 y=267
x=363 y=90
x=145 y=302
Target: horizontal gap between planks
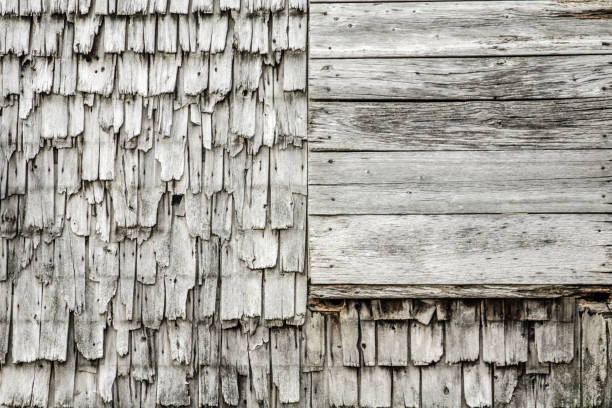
x=465 y=214
x=343 y=291
x=577 y=54
x=455 y=100
x=314 y=150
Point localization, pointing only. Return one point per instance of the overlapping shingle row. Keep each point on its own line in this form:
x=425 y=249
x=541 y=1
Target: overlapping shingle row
x=474 y=353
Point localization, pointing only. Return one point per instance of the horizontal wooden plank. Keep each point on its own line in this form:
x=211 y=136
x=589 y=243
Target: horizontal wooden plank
x=456 y=166
x=461 y=78
x=536 y=197
x=437 y=182
x=461 y=249
x=459 y=28
x=452 y=291
x=478 y=125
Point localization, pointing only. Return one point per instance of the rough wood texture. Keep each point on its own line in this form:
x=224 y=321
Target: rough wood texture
x=146 y=243
x=459 y=182
x=503 y=380
x=496 y=249
x=463 y=353
x=477 y=125
x=152 y=232
x=458 y=28
x=410 y=150
x=461 y=78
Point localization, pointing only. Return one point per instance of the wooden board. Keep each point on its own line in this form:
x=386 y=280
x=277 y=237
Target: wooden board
x=463 y=28
x=461 y=78
x=437 y=182
x=461 y=249
x=477 y=125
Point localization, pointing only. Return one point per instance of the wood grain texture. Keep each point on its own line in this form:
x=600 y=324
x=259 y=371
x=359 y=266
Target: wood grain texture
x=461 y=78
x=458 y=29
x=426 y=343
x=594 y=355
x=553 y=181
x=477 y=386
x=462 y=334
x=441 y=385
x=477 y=125
x=392 y=345
x=519 y=249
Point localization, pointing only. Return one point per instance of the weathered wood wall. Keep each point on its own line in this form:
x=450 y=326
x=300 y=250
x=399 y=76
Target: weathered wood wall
x=153 y=227
x=460 y=149
x=153 y=201
x=405 y=353
x=460 y=143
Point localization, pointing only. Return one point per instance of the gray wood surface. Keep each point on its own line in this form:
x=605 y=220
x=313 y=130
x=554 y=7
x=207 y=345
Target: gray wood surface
x=531 y=77
x=477 y=386
x=529 y=94
x=426 y=343
x=462 y=335
x=406 y=387
x=392 y=345
x=441 y=385
x=477 y=125
x=594 y=355
x=552 y=181
x=461 y=249
x=458 y=29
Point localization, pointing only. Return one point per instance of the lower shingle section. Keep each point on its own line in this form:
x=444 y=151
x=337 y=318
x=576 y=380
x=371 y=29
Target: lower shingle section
x=190 y=363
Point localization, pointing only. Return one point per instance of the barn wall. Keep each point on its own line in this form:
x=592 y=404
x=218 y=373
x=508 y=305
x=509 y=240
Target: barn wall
x=153 y=225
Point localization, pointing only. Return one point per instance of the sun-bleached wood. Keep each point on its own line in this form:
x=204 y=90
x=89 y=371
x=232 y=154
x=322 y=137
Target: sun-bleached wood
x=496 y=249
x=463 y=28
x=477 y=125
x=531 y=77
x=552 y=181
x=441 y=385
